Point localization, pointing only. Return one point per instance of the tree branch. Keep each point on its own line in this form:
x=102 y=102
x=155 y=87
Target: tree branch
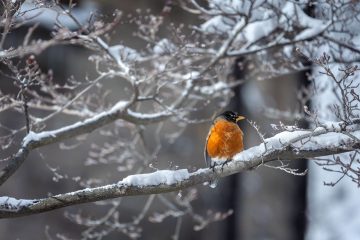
x=283 y=146
x=36 y=140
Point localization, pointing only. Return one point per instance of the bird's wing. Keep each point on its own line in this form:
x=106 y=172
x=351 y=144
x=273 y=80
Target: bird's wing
x=206 y=155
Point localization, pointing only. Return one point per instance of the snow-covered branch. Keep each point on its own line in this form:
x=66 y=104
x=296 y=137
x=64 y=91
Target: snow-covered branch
x=286 y=145
x=35 y=140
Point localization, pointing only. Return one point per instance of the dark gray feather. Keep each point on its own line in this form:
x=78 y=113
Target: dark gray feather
x=206 y=155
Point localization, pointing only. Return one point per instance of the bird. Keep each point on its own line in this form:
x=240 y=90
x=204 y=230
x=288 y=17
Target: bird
x=224 y=140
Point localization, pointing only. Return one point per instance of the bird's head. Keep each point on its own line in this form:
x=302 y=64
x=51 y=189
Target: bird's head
x=231 y=116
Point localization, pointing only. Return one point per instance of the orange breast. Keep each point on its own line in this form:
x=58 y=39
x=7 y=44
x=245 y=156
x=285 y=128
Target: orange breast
x=225 y=140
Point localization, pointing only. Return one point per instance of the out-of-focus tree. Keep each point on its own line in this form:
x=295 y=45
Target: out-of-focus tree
x=167 y=85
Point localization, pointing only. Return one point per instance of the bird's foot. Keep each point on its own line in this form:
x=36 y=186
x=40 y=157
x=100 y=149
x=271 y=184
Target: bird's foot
x=212 y=166
x=224 y=163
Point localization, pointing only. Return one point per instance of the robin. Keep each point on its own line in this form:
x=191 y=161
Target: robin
x=225 y=139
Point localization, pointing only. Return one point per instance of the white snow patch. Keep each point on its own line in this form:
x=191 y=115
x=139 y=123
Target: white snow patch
x=200 y=171
x=209 y=90
x=123 y=53
x=33 y=136
x=167 y=177
x=47 y=17
x=164 y=46
x=119 y=106
x=218 y=25
x=312 y=31
x=288 y=51
x=282 y=138
x=250 y=153
x=230 y=6
x=190 y=75
x=257 y=30
x=140 y=115
x=12 y=204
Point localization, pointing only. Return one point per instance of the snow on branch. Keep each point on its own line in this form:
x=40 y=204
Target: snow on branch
x=287 y=145
x=35 y=140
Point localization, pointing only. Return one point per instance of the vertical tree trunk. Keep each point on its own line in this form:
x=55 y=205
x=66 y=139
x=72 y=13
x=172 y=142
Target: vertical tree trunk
x=268 y=203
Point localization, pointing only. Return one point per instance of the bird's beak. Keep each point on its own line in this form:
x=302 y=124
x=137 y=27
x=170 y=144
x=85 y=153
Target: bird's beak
x=240 y=118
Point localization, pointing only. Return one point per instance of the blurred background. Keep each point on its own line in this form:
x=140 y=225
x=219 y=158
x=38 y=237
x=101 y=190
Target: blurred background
x=265 y=203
